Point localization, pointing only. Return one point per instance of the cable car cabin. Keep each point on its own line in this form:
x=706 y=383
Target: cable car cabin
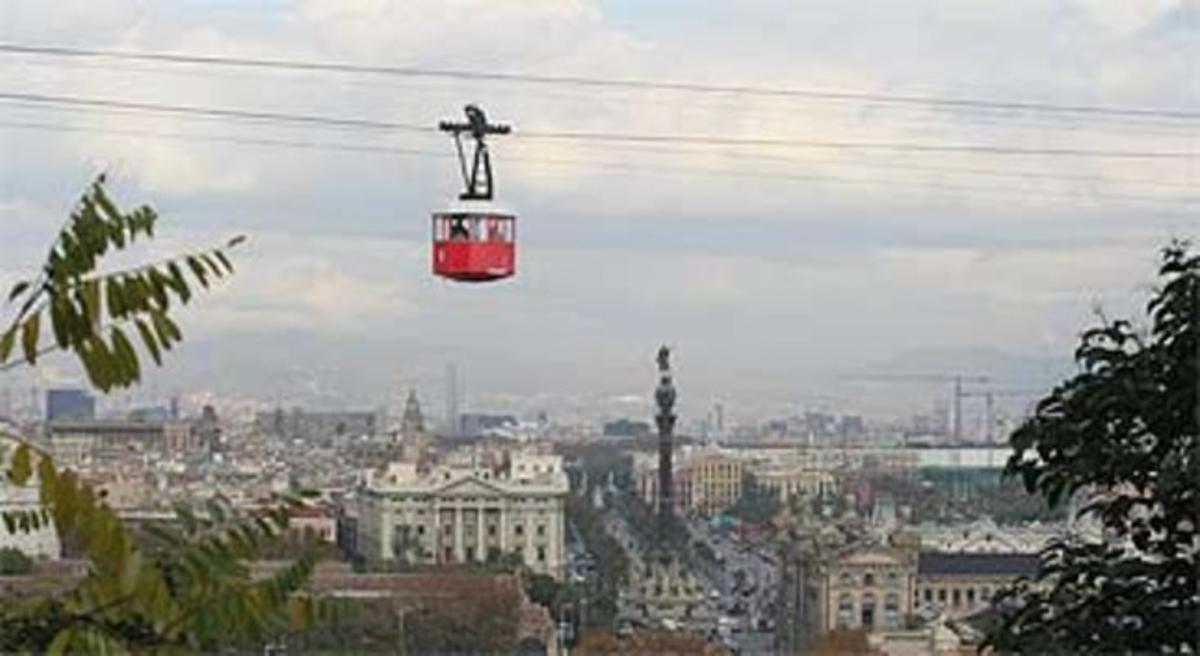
x=474 y=244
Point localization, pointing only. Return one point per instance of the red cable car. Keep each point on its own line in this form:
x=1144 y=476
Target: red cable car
x=474 y=241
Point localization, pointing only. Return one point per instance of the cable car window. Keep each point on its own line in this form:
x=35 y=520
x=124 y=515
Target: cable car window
x=493 y=229
x=477 y=233
x=459 y=230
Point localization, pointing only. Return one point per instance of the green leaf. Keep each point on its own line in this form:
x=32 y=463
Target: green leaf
x=115 y=298
x=197 y=270
x=126 y=357
x=98 y=363
x=91 y=300
x=60 y=320
x=116 y=234
x=17 y=290
x=144 y=217
x=150 y=342
x=6 y=343
x=179 y=283
x=105 y=204
x=133 y=293
x=158 y=287
x=90 y=361
x=20 y=468
x=166 y=329
x=30 y=333
x=224 y=261
x=212 y=266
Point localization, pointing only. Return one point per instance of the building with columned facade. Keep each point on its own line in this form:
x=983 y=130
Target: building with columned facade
x=461 y=514
x=829 y=582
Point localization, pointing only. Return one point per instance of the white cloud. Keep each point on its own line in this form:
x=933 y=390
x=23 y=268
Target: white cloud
x=1126 y=18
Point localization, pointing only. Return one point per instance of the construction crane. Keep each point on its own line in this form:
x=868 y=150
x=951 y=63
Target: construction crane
x=989 y=398
x=956 y=379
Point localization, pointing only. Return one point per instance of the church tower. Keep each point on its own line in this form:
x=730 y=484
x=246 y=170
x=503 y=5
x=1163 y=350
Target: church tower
x=412 y=422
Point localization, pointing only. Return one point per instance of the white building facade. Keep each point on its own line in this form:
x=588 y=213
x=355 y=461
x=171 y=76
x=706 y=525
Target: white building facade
x=463 y=514
x=39 y=543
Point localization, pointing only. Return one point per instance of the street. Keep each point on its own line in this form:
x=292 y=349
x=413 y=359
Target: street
x=745 y=577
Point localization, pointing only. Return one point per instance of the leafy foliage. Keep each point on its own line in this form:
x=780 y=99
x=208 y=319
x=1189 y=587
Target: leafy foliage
x=14 y=562
x=1122 y=436
x=756 y=505
x=542 y=589
x=488 y=625
x=191 y=589
x=99 y=316
x=483 y=619
x=648 y=642
x=294 y=544
x=612 y=563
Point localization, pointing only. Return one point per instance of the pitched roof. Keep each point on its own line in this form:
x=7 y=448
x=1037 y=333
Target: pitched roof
x=978 y=564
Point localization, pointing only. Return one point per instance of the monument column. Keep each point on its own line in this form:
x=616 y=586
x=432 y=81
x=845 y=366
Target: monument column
x=664 y=397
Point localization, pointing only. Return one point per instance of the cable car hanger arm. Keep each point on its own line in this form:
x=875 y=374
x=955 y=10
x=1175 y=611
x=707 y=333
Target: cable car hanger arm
x=480 y=183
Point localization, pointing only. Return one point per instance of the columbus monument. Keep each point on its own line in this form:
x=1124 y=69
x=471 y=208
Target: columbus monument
x=664 y=397
x=668 y=587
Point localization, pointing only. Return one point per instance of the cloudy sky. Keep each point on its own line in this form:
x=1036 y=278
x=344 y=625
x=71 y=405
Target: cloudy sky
x=774 y=270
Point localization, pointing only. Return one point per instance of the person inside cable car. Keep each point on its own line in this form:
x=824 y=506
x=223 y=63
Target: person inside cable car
x=458 y=229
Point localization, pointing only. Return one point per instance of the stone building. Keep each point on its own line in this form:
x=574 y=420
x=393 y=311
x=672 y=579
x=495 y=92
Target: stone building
x=464 y=514
x=716 y=481
x=788 y=481
x=832 y=580
x=961 y=584
x=41 y=542
x=707 y=481
x=74 y=442
x=310 y=425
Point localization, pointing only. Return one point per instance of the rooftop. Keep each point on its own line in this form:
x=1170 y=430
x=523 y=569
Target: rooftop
x=986 y=564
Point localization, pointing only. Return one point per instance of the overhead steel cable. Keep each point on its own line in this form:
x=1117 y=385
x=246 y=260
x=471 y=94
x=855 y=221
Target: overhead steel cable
x=988 y=149
x=215 y=112
x=1178 y=114
x=996 y=118
x=1025 y=193
x=814 y=144
x=867 y=161
x=220 y=138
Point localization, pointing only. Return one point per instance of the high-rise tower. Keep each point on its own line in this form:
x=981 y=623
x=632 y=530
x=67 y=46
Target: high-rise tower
x=452 y=416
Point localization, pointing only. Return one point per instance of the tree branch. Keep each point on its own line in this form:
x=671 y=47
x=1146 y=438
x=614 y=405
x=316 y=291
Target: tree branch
x=40 y=289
